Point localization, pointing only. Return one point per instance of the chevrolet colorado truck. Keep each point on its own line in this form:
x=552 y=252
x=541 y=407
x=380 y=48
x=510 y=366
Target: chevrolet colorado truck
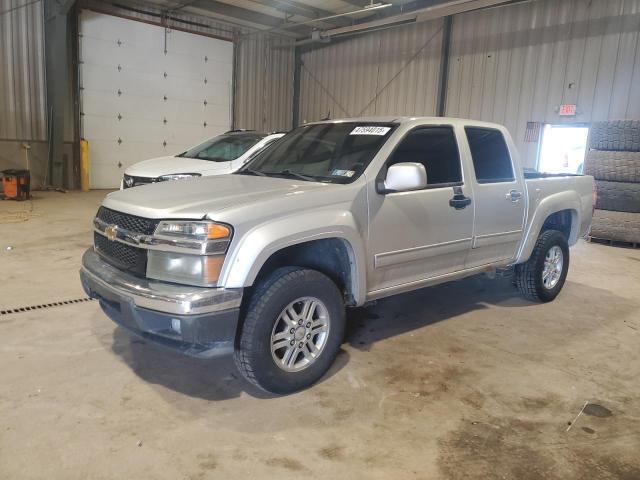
x=262 y=263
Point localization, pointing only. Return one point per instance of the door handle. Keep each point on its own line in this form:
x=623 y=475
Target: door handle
x=514 y=195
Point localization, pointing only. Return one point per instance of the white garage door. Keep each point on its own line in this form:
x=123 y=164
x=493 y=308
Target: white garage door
x=147 y=92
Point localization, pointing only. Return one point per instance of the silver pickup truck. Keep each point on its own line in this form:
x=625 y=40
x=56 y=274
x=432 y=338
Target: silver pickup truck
x=263 y=262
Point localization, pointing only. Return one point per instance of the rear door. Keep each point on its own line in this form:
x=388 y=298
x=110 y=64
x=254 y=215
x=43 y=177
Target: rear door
x=499 y=198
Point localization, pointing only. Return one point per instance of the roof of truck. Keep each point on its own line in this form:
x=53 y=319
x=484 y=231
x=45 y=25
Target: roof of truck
x=418 y=120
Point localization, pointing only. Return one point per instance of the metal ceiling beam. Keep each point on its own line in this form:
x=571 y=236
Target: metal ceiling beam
x=181 y=5
x=307 y=11
x=358 y=3
x=249 y=16
x=401 y=8
x=420 y=15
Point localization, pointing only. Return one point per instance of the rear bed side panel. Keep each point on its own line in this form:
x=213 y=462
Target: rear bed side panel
x=551 y=195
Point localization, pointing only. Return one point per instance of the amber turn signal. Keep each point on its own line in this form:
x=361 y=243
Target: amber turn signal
x=212 y=268
x=215 y=230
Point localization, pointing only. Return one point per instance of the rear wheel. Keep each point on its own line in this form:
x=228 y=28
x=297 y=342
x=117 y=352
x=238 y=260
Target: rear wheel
x=292 y=330
x=542 y=277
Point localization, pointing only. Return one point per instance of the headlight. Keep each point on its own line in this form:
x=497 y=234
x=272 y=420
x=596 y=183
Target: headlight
x=127 y=181
x=214 y=236
x=208 y=241
x=178 y=176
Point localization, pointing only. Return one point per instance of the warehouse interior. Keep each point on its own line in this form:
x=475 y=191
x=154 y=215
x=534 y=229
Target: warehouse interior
x=465 y=379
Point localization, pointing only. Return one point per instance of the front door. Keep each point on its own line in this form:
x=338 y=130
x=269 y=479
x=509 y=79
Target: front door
x=417 y=235
x=499 y=198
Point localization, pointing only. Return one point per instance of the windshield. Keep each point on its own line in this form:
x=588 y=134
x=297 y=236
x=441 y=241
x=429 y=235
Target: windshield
x=329 y=152
x=223 y=148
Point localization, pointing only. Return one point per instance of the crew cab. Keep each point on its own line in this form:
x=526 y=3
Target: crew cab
x=263 y=262
x=222 y=154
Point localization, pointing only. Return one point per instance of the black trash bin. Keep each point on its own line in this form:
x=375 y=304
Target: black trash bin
x=16 y=184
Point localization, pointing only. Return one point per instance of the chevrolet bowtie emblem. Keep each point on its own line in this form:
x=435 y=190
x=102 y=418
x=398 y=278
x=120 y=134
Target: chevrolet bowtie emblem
x=111 y=232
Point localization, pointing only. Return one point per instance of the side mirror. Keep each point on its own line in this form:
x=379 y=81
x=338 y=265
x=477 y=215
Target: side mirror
x=403 y=177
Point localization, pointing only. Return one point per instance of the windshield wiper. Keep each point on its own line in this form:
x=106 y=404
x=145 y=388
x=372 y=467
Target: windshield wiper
x=252 y=172
x=290 y=173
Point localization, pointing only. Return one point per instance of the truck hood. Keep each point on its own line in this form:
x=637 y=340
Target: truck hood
x=196 y=198
x=156 y=167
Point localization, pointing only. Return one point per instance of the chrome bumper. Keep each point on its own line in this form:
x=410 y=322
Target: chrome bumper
x=155 y=295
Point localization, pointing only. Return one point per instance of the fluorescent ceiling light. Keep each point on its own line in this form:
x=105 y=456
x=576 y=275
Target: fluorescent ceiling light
x=368 y=8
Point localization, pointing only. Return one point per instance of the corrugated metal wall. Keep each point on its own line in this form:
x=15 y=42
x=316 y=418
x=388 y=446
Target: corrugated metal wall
x=149 y=13
x=22 y=81
x=385 y=73
x=519 y=63
x=509 y=64
x=264 y=83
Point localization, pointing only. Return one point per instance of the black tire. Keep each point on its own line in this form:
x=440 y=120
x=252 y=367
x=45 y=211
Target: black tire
x=620 y=135
x=270 y=297
x=613 y=166
x=529 y=274
x=619 y=226
x=618 y=196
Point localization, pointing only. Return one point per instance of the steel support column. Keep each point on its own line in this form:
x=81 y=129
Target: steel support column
x=56 y=31
x=297 y=70
x=444 y=67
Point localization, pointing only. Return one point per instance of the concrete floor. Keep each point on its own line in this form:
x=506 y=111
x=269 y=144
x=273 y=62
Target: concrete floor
x=464 y=380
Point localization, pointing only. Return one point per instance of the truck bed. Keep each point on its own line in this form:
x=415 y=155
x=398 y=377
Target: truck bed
x=530 y=174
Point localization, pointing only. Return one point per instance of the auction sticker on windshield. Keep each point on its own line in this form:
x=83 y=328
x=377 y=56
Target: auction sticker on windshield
x=343 y=173
x=372 y=130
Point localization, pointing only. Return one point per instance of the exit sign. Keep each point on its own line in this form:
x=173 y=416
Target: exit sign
x=567 y=110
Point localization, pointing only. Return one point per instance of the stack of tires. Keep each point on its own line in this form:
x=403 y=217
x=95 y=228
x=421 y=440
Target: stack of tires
x=614 y=161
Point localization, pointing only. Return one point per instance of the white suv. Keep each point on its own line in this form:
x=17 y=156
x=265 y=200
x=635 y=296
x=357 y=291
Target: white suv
x=222 y=154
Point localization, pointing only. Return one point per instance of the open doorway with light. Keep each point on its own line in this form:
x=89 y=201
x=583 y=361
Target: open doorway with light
x=563 y=148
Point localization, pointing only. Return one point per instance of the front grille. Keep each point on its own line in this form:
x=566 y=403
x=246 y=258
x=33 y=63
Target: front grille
x=120 y=255
x=129 y=222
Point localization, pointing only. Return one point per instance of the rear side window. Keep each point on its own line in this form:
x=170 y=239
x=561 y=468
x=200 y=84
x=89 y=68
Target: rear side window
x=434 y=147
x=490 y=155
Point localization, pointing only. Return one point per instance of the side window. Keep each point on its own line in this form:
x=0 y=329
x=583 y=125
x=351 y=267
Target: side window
x=490 y=155
x=434 y=147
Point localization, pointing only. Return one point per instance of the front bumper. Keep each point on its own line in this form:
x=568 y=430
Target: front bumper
x=196 y=321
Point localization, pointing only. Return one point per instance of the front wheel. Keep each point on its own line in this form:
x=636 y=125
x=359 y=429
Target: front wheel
x=292 y=330
x=541 y=278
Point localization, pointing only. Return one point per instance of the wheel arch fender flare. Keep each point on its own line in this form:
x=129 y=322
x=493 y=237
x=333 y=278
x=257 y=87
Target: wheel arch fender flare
x=250 y=254
x=561 y=201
